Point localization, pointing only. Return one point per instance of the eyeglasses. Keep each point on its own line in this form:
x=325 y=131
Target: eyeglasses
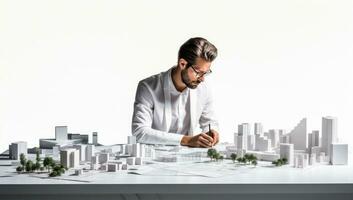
x=201 y=74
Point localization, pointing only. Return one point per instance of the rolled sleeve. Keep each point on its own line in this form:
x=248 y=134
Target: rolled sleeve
x=143 y=118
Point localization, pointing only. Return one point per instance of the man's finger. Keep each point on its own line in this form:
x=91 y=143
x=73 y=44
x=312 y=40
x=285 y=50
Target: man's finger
x=216 y=138
x=207 y=137
x=205 y=141
x=201 y=144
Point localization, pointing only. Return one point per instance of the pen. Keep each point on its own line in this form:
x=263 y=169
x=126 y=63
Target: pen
x=209 y=131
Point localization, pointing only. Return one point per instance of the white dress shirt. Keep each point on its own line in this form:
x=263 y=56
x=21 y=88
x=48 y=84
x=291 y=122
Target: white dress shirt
x=180 y=110
x=163 y=115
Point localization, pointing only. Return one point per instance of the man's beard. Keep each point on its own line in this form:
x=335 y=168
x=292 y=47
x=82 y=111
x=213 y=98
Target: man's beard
x=186 y=80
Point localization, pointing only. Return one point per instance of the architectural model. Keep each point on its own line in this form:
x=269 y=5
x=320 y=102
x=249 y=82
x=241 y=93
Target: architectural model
x=296 y=148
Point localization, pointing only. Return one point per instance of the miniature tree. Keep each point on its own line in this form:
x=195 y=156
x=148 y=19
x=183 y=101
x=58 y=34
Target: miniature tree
x=241 y=160
x=233 y=157
x=247 y=158
x=19 y=169
x=53 y=174
x=216 y=156
x=252 y=159
x=48 y=162
x=29 y=166
x=211 y=153
x=285 y=161
x=57 y=170
x=254 y=162
x=280 y=162
x=23 y=160
x=37 y=164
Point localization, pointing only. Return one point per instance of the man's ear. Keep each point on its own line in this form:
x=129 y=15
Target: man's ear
x=182 y=63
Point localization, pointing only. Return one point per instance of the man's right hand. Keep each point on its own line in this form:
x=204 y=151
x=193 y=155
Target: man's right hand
x=200 y=140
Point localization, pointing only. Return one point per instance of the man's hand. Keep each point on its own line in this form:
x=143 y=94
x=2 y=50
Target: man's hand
x=215 y=136
x=201 y=140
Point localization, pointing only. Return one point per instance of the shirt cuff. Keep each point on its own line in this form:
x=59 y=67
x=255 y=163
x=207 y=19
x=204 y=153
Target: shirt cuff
x=174 y=139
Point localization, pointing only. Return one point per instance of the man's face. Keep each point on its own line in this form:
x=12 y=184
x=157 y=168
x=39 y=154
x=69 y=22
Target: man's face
x=191 y=75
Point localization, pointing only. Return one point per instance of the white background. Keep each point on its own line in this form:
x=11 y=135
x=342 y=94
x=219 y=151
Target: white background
x=77 y=63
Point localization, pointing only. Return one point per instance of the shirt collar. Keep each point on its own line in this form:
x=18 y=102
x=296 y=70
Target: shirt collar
x=172 y=88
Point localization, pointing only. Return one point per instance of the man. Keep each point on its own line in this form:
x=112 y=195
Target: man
x=169 y=106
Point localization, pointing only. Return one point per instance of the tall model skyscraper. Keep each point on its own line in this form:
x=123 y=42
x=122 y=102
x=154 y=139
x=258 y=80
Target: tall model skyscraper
x=16 y=149
x=242 y=138
x=329 y=133
x=299 y=136
x=95 y=138
x=258 y=129
x=61 y=133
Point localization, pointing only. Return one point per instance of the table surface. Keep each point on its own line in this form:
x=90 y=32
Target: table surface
x=201 y=177
x=201 y=172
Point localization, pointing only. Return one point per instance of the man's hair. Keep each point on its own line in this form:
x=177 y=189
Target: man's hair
x=197 y=48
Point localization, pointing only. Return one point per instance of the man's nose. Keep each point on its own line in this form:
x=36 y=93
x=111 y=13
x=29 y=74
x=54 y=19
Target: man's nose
x=202 y=78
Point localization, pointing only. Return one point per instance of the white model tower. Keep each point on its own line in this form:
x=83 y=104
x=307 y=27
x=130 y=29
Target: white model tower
x=299 y=136
x=60 y=133
x=329 y=134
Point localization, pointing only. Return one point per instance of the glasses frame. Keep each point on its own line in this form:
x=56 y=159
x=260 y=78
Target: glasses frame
x=201 y=74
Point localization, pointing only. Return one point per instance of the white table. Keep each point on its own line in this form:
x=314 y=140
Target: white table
x=236 y=182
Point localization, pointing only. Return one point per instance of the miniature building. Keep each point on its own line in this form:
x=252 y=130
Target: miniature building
x=70 y=157
x=299 y=136
x=167 y=158
x=143 y=148
x=138 y=161
x=90 y=150
x=56 y=151
x=131 y=139
x=60 y=133
x=82 y=151
x=241 y=142
x=339 y=154
x=281 y=132
x=95 y=138
x=273 y=135
x=284 y=139
x=136 y=150
x=315 y=151
x=301 y=160
x=323 y=157
x=104 y=167
x=329 y=134
x=244 y=129
x=258 y=129
x=78 y=172
x=16 y=149
x=128 y=149
x=287 y=151
x=112 y=167
x=264 y=156
x=262 y=143
x=314 y=139
x=82 y=138
x=313 y=159
x=130 y=160
x=103 y=158
x=95 y=159
x=251 y=142
x=61 y=139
